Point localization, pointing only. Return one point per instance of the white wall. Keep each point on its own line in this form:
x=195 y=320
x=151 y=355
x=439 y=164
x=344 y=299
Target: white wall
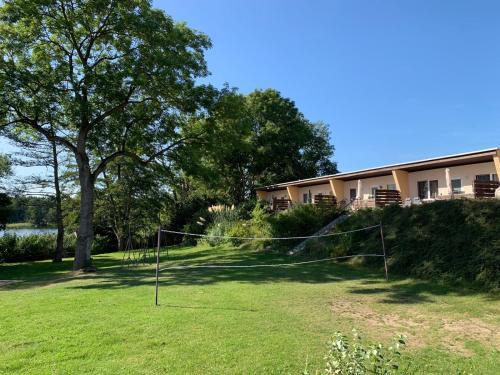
x=324 y=189
x=367 y=184
x=467 y=173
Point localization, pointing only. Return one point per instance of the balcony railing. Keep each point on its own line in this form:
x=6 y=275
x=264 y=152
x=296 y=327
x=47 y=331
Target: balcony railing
x=385 y=197
x=485 y=189
x=328 y=201
x=281 y=204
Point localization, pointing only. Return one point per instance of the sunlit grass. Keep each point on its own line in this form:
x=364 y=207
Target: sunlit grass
x=233 y=321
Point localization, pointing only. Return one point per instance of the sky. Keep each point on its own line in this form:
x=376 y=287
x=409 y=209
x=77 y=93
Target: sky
x=395 y=80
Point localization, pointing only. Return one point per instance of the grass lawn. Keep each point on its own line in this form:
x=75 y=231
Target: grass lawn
x=238 y=321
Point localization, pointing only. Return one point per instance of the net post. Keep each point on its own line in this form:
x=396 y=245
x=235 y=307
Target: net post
x=383 y=251
x=157 y=264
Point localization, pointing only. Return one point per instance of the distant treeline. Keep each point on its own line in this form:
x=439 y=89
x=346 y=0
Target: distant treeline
x=37 y=211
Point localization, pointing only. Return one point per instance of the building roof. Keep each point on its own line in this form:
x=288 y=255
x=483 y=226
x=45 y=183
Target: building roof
x=413 y=166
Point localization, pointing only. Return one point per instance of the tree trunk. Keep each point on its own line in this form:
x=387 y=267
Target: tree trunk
x=59 y=217
x=86 y=222
x=120 y=241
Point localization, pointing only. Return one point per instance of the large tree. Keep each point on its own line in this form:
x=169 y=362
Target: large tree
x=287 y=145
x=258 y=139
x=104 y=79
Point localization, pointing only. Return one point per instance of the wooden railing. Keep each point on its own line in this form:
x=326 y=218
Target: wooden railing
x=386 y=197
x=328 y=201
x=281 y=204
x=485 y=189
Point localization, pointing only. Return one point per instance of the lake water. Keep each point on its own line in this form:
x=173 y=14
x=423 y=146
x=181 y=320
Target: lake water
x=27 y=231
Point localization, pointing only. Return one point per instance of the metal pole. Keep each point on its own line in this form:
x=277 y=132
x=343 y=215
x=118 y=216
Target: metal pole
x=157 y=264
x=383 y=250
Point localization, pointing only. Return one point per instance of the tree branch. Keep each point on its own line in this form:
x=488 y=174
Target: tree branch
x=33 y=123
x=115 y=109
x=124 y=153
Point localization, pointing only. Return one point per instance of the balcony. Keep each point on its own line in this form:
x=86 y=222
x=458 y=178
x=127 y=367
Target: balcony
x=485 y=189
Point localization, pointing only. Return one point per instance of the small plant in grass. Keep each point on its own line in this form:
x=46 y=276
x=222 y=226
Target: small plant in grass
x=353 y=357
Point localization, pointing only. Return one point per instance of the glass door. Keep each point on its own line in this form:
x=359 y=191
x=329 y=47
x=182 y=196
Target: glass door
x=423 y=189
x=352 y=194
x=433 y=188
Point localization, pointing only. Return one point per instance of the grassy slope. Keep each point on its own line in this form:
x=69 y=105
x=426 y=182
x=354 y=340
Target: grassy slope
x=265 y=320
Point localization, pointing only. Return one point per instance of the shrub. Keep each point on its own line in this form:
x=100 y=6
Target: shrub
x=7 y=247
x=346 y=357
x=100 y=245
x=302 y=220
x=35 y=246
x=197 y=224
x=222 y=219
x=42 y=246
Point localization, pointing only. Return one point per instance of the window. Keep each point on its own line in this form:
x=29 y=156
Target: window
x=391 y=186
x=456 y=186
x=487 y=177
x=305 y=198
x=482 y=177
x=374 y=191
x=352 y=194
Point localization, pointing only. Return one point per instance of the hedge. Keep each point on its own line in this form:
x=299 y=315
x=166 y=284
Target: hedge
x=456 y=240
x=42 y=246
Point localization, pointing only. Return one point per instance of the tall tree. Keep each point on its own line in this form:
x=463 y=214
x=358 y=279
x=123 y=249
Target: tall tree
x=287 y=145
x=113 y=76
x=258 y=139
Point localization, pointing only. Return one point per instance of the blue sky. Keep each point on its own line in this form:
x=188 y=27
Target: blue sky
x=395 y=80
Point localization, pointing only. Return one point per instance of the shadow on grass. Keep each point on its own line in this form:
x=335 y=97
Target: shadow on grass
x=111 y=275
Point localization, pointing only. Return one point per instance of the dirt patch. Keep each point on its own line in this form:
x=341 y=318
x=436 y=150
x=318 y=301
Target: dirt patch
x=473 y=329
x=421 y=330
x=385 y=325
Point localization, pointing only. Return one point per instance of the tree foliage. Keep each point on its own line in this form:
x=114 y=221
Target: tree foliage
x=105 y=79
x=5 y=166
x=258 y=139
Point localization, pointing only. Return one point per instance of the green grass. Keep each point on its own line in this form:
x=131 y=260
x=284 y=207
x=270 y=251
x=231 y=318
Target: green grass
x=238 y=321
x=19 y=225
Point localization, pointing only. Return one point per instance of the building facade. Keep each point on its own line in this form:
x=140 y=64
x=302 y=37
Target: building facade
x=468 y=175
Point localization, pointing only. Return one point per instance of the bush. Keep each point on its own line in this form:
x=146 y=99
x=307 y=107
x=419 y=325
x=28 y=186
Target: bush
x=346 y=357
x=303 y=220
x=455 y=240
x=222 y=218
x=35 y=246
x=42 y=246
x=197 y=225
x=7 y=247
